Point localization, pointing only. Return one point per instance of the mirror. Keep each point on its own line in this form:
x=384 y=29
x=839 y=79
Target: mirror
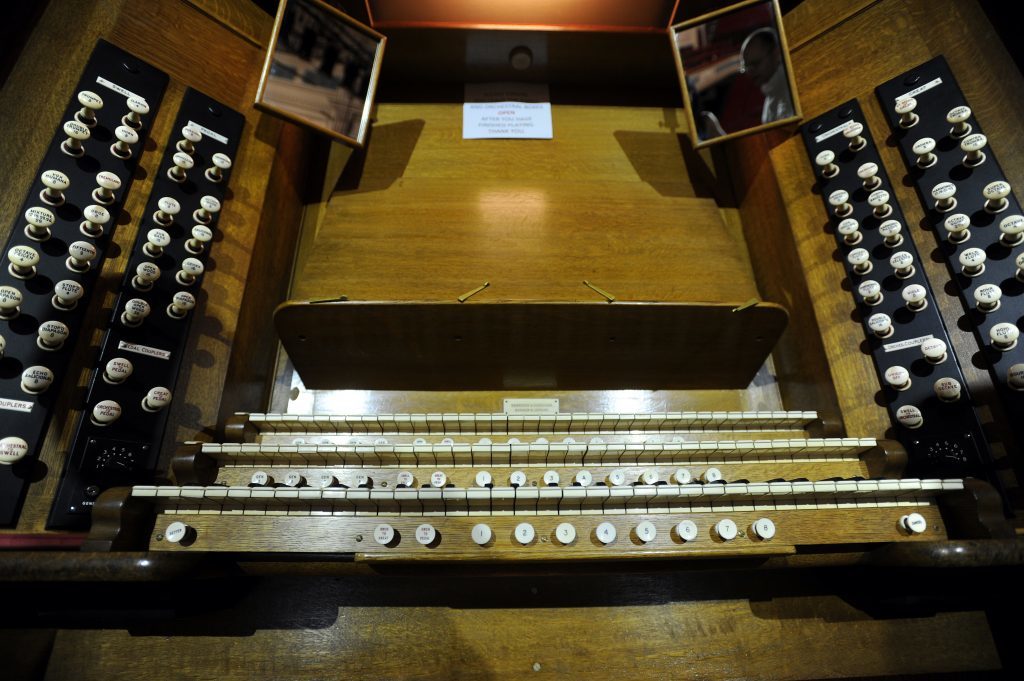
x=735 y=72
x=321 y=70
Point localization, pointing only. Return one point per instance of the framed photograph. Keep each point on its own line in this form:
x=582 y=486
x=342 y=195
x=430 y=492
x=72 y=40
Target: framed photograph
x=321 y=70
x=735 y=72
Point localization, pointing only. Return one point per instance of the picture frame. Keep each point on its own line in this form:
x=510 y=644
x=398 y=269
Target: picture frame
x=321 y=70
x=735 y=72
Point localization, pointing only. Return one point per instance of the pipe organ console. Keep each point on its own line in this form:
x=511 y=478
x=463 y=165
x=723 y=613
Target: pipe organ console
x=156 y=221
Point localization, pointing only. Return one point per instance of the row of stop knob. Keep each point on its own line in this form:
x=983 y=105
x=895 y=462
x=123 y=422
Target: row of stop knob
x=971 y=145
x=563 y=534
x=550 y=478
x=994 y=193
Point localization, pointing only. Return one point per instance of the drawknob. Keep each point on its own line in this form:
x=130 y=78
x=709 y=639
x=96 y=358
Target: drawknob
x=135 y=310
x=80 y=256
x=905 y=109
x=853 y=134
x=924 y=148
x=145 y=274
x=51 y=335
x=957 y=227
x=54 y=183
x=117 y=370
x=77 y=133
x=190 y=269
x=190 y=137
x=95 y=217
x=221 y=162
x=957 y=117
x=106 y=184
x=208 y=207
x=182 y=164
x=972 y=146
x=181 y=303
x=137 y=108
x=91 y=103
x=23 y=261
x=167 y=208
x=39 y=221
x=201 y=235
x=156 y=241
x=156 y=399
x=126 y=137
x=66 y=294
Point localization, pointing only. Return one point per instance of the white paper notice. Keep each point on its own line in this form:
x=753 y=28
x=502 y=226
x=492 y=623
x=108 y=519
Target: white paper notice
x=506 y=111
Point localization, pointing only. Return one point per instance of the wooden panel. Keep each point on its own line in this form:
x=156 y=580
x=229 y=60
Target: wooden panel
x=451 y=346
x=354 y=534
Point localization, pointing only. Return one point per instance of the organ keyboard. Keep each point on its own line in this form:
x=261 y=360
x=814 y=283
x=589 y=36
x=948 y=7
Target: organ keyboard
x=567 y=486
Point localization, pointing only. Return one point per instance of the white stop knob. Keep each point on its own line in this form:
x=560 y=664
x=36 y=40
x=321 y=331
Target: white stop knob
x=726 y=529
x=524 y=533
x=12 y=449
x=565 y=533
x=914 y=523
x=646 y=531
x=606 y=533
x=426 y=534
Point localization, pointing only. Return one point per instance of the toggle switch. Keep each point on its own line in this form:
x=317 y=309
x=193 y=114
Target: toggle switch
x=106 y=184
x=54 y=185
x=117 y=370
x=77 y=133
x=66 y=294
x=126 y=137
x=221 y=162
x=39 y=221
